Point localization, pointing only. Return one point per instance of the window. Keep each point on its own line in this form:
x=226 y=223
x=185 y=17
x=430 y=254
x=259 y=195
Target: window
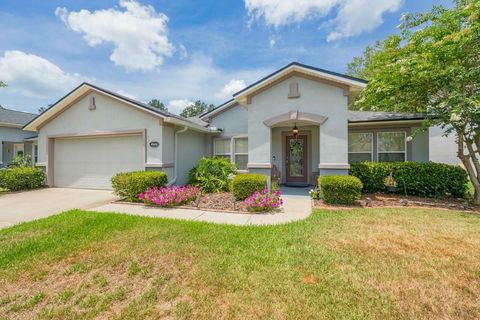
x=391 y=146
x=35 y=153
x=221 y=148
x=241 y=153
x=360 y=147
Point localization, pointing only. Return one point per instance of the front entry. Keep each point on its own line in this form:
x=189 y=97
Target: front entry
x=296 y=160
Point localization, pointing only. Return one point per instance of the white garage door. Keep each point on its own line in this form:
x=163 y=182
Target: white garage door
x=90 y=162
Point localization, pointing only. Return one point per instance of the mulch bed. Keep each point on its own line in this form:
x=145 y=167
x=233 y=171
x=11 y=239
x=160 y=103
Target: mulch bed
x=398 y=200
x=222 y=201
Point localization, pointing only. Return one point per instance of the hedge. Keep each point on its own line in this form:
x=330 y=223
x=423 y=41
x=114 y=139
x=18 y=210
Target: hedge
x=212 y=174
x=340 y=189
x=244 y=185
x=413 y=178
x=21 y=178
x=128 y=185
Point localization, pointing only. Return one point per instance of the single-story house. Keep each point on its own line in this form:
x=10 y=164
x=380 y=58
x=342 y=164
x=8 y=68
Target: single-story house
x=294 y=123
x=15 y=141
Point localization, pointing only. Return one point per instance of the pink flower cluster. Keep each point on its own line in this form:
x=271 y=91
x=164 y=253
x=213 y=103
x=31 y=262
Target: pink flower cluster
x=263 y=201
x=169 y=197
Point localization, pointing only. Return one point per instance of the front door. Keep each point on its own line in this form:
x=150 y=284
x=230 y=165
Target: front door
x=296 y=159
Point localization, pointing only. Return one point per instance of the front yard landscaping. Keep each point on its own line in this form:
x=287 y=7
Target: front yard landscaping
x=349 y=264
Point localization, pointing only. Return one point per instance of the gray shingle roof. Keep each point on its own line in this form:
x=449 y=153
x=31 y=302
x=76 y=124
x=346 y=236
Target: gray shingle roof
x=15 y=117
x=372 y=116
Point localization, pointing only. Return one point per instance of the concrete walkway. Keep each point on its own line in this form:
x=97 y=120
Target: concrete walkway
x=25 y=206
x=296 y=206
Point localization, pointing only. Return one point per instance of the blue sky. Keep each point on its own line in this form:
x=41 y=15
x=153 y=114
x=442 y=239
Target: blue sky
x=178 y=51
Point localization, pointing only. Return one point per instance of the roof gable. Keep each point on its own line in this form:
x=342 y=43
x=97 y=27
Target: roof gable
x=351 y=84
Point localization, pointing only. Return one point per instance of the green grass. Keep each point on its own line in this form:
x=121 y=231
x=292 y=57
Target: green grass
x=351 y=264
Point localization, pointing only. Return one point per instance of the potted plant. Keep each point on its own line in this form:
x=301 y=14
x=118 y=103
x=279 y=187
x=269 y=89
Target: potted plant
x=390 y=183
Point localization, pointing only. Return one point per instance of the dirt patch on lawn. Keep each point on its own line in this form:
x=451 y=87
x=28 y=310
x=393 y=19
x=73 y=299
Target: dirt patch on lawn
x=397 y=200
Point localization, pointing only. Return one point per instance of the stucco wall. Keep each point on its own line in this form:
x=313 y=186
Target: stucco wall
x=233 y=122
x=315 y=97
x=443 y=149
x=420 y=145
x=192 y=147
x=110 y=115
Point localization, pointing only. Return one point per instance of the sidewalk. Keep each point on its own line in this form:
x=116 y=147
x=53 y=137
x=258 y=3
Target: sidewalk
x=296 y=206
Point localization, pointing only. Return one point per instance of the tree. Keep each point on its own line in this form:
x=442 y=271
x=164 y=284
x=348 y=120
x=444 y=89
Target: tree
x=196 y=109
x=157 y=104
x=41 y=109
x=2 y=84
x=432 y=66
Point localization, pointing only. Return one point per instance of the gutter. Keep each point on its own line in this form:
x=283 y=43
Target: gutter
x=175 y=156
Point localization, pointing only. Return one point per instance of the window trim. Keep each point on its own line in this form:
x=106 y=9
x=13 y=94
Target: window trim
x=405 y=152
x=232 y=152
x=371 y=144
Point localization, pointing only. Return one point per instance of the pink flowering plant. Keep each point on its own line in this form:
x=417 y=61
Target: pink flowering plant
x=263 y=201
x=169 y=196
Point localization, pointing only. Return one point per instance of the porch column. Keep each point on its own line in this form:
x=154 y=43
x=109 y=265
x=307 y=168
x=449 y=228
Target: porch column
x=259 y=149
x=1 y=154
x=333 y=159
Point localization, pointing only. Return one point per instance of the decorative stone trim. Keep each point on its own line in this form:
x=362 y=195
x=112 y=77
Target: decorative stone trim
x=296 y=116
x=259 y=165
x=159 y=165
x=334 y=166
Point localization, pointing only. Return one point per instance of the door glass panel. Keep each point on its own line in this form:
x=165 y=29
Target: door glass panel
x=296 y=168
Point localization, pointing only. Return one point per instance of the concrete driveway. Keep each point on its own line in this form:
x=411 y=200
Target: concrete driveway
x=36 y=204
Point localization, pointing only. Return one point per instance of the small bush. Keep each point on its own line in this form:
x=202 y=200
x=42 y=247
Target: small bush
x=340 y=189
x=244 y=185
x=413 y=178
x=129 y=185
x=212 y=174
x=21 y=178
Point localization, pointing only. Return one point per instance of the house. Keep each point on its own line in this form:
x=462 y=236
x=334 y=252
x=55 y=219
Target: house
x=14 y=140
x=294 y=123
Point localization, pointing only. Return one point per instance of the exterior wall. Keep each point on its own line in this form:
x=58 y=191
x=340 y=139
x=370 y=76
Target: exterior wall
x=315 y=97
x=8 y=135
x=279 y=135
x=417 y=149
x=443 y=149
x=191 y=147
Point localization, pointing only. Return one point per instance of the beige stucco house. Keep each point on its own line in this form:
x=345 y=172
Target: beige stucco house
x=294 y=124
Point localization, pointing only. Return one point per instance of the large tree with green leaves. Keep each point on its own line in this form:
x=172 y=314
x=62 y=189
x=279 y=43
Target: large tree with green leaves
x=196 y=109
x=2 y=84
x=158 y=104
x=432 y=66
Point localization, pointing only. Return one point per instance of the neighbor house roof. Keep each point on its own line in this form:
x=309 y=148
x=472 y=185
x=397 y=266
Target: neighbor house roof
x=352 y=84
x=376 y=116
x=14 y=118
x=85 y=87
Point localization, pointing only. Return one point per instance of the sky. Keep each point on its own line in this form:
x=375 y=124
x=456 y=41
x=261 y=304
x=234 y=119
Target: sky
x=178 y=51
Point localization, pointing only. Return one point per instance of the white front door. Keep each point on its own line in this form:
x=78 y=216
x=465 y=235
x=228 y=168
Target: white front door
x=18 y=149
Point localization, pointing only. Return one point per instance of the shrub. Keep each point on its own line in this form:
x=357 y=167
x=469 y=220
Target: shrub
x=263 y=201
x=340 y=189
x=21 y=178
x=128 y=185
x=244 y=185
x=413 y=178
x=169 y=197
x=21 y=161
x=212 y=174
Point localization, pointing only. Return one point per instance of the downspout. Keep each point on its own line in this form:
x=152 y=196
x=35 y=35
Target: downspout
x=175 y=156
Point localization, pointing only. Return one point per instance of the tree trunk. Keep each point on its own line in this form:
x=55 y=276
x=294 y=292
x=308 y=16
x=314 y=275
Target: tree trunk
x=466 y=160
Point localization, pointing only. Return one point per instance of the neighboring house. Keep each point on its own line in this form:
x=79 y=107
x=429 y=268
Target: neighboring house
x=92 y=133
x=14 y=140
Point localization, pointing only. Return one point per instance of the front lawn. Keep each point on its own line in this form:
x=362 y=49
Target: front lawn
x=352 y=264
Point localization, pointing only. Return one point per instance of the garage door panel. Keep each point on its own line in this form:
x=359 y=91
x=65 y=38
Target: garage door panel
x=91 y=162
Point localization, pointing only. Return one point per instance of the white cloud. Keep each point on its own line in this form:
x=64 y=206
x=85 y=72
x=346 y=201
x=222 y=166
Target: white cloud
x=176 y=106
x=353 y=17
x=34 y=76
x=138 y=33
x=273 y=42
x=230 y=88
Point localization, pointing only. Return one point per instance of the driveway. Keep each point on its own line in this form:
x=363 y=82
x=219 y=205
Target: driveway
x=36 y=204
